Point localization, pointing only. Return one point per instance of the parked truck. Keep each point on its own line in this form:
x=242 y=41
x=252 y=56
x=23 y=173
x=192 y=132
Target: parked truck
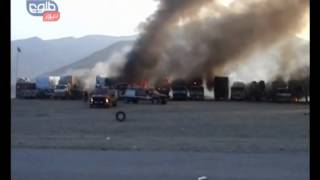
x=121 y=88
x=45 y=85
x=196 y=89
x=163 y=86
x=25 y=88
x=256 y=91
x=69 y=87
x=112 y=82
x=278 y=91
x=299 y=89
x=103 y=97
x=179 y=89
x=221 y=88
x=238 y=91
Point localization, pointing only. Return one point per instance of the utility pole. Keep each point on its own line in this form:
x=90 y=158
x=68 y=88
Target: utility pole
x=17 y=62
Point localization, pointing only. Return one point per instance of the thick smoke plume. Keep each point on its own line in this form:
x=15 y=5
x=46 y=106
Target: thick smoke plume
x=180 y=42
x=287 y=60
x=148 y=49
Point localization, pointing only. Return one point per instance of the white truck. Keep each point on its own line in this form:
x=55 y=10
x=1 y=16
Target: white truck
x=67 y=88
x=45 y=85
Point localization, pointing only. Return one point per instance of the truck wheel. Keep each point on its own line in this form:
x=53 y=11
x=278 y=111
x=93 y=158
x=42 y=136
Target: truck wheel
x=135 y=101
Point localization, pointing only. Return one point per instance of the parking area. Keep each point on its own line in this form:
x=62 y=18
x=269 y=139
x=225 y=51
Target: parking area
x=205 y=126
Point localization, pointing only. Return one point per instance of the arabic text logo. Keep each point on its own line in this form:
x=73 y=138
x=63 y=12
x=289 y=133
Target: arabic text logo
x=48 y=9
x=51 y=16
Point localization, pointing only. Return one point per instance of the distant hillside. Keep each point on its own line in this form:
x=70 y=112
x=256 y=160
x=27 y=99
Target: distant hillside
x=91 y=60
x=39 y=56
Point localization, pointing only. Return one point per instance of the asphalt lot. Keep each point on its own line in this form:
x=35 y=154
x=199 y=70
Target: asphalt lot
x=178 y=126
x=180 y=140
x=62 y=164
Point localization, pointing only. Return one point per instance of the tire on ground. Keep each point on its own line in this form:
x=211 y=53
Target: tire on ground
x=120 y=116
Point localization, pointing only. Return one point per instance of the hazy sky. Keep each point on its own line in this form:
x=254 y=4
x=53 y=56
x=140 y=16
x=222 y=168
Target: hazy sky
x=86 y=17
x=82 y=17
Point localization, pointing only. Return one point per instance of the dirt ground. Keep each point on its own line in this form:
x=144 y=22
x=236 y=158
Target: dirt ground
x=207 y=126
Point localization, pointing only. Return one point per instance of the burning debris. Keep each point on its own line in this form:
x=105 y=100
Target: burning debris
x=180 y=42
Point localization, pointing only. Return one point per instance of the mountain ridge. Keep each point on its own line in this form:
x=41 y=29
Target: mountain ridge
x=39 y=56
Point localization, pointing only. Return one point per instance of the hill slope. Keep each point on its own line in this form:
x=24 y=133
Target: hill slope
x=90 y=61
x=39 y=56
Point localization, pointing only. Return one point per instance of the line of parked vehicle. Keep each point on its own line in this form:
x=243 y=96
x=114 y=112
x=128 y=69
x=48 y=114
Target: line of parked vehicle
x=108 y=90
x=56 y=87
x=276 y=91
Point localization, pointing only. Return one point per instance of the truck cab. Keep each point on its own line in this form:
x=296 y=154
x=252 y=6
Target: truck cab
x=238 y=91
x=62 y=91
x=196 y=89
x=256 y=91
x=278 y=91
x=103 y=97
x=283 y=95
x=179 y=89
x=163 y=86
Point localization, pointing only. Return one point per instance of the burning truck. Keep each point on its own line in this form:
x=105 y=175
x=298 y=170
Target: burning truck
x=163 y=86
x=291 y=91
x=278 y=91
x=299 y=89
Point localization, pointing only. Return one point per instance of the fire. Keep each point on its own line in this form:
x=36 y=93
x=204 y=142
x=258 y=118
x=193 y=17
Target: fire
x=143 y=84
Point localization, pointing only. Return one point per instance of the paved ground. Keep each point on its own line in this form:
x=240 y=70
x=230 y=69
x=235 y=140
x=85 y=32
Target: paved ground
x=186 y=126
x=39 y=164
x=180 y=140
